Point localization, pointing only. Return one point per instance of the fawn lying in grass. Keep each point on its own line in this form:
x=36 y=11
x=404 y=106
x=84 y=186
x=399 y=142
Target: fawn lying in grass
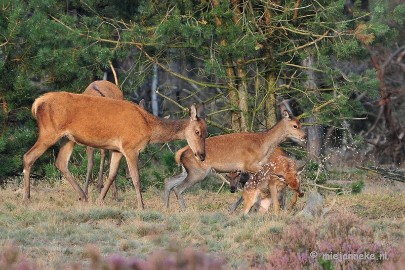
x=270 y=182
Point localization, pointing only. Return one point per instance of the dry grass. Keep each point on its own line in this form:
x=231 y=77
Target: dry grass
x=54 y=229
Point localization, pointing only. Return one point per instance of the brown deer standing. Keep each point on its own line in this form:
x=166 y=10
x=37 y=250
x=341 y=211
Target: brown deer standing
x=106 y=123
x=245 y=151
x=107 y=89
x=269 y=182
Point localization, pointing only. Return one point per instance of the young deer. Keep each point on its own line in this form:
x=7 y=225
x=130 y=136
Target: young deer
x=270 y=182
x=246 y=152
x=107 y=89
x=106 y=123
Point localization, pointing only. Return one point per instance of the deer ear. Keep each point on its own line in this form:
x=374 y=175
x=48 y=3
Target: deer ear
x=142 y=104
x=201 y=111
x=193 y=113
x=286 y=115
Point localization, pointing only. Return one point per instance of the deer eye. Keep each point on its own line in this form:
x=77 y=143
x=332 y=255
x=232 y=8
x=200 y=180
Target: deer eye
x=295 y=126
x=197 y=132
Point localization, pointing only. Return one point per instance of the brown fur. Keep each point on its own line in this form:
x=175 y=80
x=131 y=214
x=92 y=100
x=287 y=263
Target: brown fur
x=109 y=90
x=270 y=182
x=106 y=123
x=283 y=167
x=232 y=152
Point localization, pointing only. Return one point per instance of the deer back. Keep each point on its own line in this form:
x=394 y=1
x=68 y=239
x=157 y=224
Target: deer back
x=104 y=88
x=91 y=120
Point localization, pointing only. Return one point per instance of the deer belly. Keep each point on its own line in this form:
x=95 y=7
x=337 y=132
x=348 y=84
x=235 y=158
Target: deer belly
x=96 y=142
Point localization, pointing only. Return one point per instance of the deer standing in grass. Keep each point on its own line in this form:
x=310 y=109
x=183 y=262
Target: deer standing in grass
x=99 y=122
x=246 y=152
x=107 y=89
x=269 y=182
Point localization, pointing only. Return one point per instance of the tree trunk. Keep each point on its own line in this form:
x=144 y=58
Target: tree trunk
x=241 y=76
x=4 y=107
x=230 y=74
x=270 y=103
x=154 y=100
x=314 y=145
x=271 y=79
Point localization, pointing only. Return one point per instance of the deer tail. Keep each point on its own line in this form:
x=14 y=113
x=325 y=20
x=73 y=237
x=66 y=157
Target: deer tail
x=37 y=103
x=180 y=153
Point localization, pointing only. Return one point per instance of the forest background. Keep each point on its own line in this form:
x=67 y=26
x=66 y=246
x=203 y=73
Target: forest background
x=338 y=65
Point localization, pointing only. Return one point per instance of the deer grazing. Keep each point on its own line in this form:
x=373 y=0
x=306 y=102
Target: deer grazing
x=107 y=89
x=110 y=124
x=269 y=182
x=246 y=152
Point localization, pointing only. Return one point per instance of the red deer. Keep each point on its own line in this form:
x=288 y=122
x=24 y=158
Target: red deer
x=269 y=182
x=106 y=123
x=107 y=89
x=245 y=151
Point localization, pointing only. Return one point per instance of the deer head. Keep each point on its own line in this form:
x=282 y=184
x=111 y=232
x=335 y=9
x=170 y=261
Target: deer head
x=293 y=129
x=196 y=132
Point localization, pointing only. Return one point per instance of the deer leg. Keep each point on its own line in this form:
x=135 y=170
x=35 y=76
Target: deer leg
x=127 y=174
x=235 y=205
x=132 y=162
x=172 y=182
x=293 y=200
x=114 y=164
x=90 y=164
x=100 y=171
x=115 y=187
x=249 y=199
x=62 y=164
x=274 y=196
x=192 y=178
x=281 y=198
x=264 y=205
x=40 y=146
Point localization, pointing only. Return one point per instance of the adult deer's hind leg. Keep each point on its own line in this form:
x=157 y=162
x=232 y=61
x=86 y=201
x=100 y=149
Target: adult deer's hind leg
x=172 y=182
x=132 y=162
x=192 y=178
x=41 y=145
x=114 y=164
x=90 y=164
x=100 y=171
x=62 y=162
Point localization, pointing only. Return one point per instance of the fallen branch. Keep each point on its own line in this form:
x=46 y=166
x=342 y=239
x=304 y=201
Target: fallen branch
x=324 y=187
x=223 y=181
x=390 y=174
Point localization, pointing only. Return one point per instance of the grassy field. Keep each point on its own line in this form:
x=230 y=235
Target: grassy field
x=56 y=231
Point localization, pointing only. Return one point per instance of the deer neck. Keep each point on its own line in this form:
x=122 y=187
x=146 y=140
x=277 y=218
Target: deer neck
x=274 y=136
x=166 y=130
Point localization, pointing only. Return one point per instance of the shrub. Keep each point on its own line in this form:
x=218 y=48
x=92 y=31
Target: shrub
x=305 y=244
x=188 y=258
